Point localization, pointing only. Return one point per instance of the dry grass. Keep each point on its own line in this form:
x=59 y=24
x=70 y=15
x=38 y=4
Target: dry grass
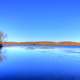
x=67 y=43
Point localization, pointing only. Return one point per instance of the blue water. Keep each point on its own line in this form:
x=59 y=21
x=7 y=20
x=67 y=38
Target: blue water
x=40 y=64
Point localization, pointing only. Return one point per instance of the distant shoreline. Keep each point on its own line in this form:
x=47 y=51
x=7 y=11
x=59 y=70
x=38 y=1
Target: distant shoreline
x=64 y=43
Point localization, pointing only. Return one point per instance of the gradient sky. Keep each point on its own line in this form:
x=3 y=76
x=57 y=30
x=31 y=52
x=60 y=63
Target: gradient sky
x=40 y=20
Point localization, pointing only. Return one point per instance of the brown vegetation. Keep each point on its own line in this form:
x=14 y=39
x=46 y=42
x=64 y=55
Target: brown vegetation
x=67 y=43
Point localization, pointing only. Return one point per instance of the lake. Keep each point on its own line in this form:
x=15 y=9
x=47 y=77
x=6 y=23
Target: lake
x=57 y=63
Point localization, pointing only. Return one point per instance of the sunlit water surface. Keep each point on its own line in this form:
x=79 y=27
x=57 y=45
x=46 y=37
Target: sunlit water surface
x=52 y=62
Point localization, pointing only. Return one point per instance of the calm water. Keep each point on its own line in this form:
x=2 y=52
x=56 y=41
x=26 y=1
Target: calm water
x=40 y=64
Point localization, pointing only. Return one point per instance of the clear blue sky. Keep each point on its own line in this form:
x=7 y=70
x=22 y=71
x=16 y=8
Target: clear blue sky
x=45 y=20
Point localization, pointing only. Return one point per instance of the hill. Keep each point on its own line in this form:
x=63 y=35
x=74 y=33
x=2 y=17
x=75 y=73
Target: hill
x=64 y=43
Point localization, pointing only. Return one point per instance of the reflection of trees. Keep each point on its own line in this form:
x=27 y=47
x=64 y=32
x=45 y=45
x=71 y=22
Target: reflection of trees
x=2 y=57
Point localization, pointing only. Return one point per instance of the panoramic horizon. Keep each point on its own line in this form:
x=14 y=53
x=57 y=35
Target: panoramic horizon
x=42 y=20
x=39 y=39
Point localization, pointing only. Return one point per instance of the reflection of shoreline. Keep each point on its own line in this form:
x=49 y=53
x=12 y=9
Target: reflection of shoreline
x=72 y=51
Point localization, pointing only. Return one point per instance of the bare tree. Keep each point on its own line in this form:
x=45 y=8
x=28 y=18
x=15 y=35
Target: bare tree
x=2 y=37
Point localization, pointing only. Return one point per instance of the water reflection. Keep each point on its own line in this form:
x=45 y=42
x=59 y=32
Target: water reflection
x=2 y=56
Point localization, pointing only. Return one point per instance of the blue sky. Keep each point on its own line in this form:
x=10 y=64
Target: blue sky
x=40 y=20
